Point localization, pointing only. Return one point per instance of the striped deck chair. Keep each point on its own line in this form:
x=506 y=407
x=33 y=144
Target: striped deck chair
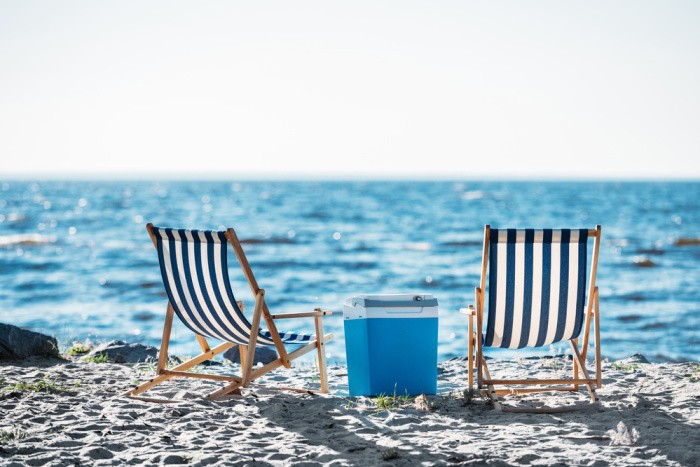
x=194 y=267
x=536 y=297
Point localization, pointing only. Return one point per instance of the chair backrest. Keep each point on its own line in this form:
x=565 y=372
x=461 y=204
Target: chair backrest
x=194 y=267
x=537 y=282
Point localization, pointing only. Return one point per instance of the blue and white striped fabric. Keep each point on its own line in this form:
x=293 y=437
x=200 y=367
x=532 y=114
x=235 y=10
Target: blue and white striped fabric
x=537 y=282
x=194 y=267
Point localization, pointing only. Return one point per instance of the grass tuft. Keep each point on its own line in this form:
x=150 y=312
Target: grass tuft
x=99 y=358
x=552 y=363
x=11 y=434
x=316 y=377
x=43 y=385
x=388 y=402
x=468 y=396
x=390 y=454
x=624 y=366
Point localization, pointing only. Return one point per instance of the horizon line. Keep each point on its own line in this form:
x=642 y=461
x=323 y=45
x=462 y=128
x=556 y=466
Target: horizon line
x=328 y=177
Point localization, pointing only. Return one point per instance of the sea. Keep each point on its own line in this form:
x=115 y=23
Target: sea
x=77 y=263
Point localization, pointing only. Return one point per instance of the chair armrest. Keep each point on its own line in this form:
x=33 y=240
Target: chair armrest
x=303 y=315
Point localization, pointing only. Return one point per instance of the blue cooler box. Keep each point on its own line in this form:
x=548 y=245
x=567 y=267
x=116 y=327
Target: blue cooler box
x=391 y=344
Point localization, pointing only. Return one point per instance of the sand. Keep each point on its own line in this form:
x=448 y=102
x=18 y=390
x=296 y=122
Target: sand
x=649 y=415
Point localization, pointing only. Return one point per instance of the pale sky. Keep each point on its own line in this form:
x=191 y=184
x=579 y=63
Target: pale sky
x=290 y=89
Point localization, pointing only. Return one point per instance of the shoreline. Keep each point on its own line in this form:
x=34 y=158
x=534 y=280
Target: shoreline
x=649 y=414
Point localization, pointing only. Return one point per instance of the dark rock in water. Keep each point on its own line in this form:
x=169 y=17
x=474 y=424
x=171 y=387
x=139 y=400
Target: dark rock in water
x=636 y=358
x=263 y=355
x=144 y=316
x=121 y=352
x=686 y=241
x=643 y=262
x=650 y=251
x=464 y=243
x=652 y=326
x=18 y=343
x=629 y=318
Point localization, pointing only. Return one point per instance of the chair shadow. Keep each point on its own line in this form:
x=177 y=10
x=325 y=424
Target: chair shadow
x=356 y=433
x=327 y=422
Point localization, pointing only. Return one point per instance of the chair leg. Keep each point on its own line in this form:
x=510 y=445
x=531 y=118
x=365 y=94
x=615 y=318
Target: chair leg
x=479 y=295
x=598 y=371
x=242 y=354
x=258 y=372
x=161 y=377
x=470 y=355
x=203 y=344
x=577 y=357
x=574 y=343
x=321 y=348
x=254 y=326
x=165 y=340
x=491 y=392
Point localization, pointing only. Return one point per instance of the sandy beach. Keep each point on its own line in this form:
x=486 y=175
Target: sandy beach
x=68 y=412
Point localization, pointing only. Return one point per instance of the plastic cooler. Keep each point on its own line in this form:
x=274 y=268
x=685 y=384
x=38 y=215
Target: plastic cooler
x=391 y=344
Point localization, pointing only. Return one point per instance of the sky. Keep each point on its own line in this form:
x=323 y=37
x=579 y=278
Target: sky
x=354 y=89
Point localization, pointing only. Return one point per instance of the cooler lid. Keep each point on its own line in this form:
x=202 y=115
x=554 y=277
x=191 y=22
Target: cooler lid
x=390 y=306
x=392 y=300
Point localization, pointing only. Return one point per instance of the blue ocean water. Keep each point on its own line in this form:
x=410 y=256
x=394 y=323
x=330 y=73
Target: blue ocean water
x=76 y=261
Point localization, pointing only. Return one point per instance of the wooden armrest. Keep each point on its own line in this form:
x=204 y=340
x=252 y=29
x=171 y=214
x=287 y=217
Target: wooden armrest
x=241 y=305
x=303 y=315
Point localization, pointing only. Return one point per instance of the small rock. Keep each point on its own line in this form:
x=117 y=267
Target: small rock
x=263 y=355
x=636 y=358
x=121 y=352
x=421 y=403
x=18 y=343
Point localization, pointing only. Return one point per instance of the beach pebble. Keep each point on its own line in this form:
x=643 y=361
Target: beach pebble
x=17 y=343
x=122 y=352
x=263 y=355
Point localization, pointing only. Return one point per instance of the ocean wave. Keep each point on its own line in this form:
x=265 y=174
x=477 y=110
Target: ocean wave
x=25 y=240
x=257 y=241
x=473 y=195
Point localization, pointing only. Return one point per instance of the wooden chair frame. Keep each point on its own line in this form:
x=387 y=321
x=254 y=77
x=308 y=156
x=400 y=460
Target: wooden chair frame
x=486 y=385
x=247 y=352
